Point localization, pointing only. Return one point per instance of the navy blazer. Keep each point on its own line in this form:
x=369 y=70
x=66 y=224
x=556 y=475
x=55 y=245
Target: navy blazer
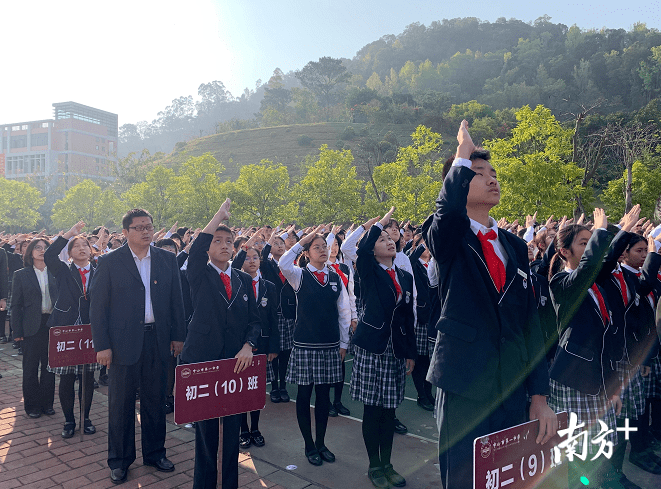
x=26 y=301
x=422 y=287
x=117 y=306
x=384 y=318
x=72 y=305
x=286 y=295
x=4 y=274
x=586 y=345
x=220 y=326
x=490 y=344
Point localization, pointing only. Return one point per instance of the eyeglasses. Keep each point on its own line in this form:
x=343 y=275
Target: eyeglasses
x=318 y=248
x=40 y=248
x=140 y=229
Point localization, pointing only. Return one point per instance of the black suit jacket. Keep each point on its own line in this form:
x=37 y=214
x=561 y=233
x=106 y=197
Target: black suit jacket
x=26 y=301
x=220 y=326
x=286 y=295
x=4 y=274
x=422 y=287
x=72 y=305
x=117 y=306
x=384 y=317
x=491 y=345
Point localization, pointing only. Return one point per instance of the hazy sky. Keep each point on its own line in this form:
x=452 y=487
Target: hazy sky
x=133 y=57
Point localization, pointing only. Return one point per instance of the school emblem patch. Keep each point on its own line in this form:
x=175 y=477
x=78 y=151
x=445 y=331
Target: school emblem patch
x=245 y=297
x=264 y=301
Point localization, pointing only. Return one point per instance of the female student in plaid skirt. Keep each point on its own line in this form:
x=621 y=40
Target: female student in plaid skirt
x=321 y=336
x=587 y=343
x=72 y=307
x=384 y=347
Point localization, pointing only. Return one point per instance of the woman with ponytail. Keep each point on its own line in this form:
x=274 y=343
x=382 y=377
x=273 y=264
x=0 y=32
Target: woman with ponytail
x=587 y=343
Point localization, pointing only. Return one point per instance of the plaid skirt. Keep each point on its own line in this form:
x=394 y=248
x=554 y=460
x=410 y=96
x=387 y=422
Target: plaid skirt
x=588 y=409
x=653 y=380
x=314 y=366
x=270 y=374
x=421 y=339
x=286 y=328
x=75 y=369
x=378 y=380
x=633 y=394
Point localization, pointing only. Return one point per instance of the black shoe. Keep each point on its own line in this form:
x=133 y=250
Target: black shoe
x=284 y=395
x=103 y=380
x=163 y=465
x=96 y=384
x=326 y=455
x=48 y=411
x=275 y=395
x=621 y=482
x=644 y=461
x=34 y=414
x=0 y=376
x=20 y=351
x=313 y=457
x=400 y=429
x=393 y=477
x=425 y=404
x=257 y=438
x=339 y=407
x=118 y=476
x=69 y=430
x=244 y=440
x=169 y=408
x=89 y=428
x=16 y=345
x=378 y=477
x=332 y=412
x=3 y=340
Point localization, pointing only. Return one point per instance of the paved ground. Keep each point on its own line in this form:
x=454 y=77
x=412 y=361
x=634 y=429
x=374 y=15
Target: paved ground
x=34 y=455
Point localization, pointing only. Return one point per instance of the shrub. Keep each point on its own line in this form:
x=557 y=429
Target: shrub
x=348 y=134
x=304 y=140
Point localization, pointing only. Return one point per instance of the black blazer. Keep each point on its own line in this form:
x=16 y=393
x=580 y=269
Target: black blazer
x=4 y=274
x=26 y=301
x=384 y=318
x=488 y=339
x=547 y=319
x=117 y=306
x=586 y=345
x=422 y=287
x=220 y=326
x=286 y=295
x=185 y=288
x=72 y=305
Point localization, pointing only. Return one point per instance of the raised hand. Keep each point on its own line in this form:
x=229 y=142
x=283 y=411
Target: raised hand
x=386 y=219
x=310 y=236
x=581 y=219
x=174 y=227
x=74 y=231
x=630 y=219
x=336 y=229
x=530 y=220
x=370 y=223
x=600 y=219
x=466 y=146
x=549 y=222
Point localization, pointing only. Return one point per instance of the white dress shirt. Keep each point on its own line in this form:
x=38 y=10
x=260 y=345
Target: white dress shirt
x=46 y=303
x=144 y=269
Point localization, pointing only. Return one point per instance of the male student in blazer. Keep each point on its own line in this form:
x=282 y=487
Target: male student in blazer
x=225 y=324
x=137 y=316
x=489 y=350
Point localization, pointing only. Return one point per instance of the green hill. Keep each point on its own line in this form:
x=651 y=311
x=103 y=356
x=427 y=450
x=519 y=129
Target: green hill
x=281 y=144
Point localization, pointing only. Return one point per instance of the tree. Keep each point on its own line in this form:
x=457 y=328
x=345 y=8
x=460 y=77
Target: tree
x=19 y=204
x=646 y=190
x=412 y=182
x=199 y=190
x=87 y=202
x=157 y=195
x=323 y=78
x=534 y=167
x=261 y=194
x=330 y=189
x=214 y=95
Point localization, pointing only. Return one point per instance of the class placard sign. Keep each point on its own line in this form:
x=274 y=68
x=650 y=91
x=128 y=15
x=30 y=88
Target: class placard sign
x=70 y=345
x=208 y=390
x=512 y=459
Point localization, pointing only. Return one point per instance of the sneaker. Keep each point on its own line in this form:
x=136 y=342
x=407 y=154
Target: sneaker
x=378 y=477
x=284 y=395
x=339 y=407
x=400 y=429
x=393 y=477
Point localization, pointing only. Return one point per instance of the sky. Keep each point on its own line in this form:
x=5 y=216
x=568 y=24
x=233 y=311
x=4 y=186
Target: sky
x=133 y=57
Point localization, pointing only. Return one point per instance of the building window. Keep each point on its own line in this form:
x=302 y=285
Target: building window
x=44 y=124
x=112 y=146
x=19 y=141
x=97 y=146
x=15 y=128
x=24 y=127
x=39 y=139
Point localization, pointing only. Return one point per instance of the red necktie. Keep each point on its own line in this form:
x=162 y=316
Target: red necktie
x=623 y=286
x=282 y=277
x=602 y=304
x=426 y=265
x=345 y=279
x=321 y=277
x=83 y=277
x=398 y=289
x=228 y=285
x=254 y=288
x=494 y=264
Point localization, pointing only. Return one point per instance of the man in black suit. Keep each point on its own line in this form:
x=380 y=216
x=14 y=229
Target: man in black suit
x=225 y=324
x=489 y=350
x=137 y=317
x=4 y=291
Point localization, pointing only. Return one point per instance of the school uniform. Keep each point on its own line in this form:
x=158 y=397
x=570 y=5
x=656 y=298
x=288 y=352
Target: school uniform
x=489 y=348
x=221 y=324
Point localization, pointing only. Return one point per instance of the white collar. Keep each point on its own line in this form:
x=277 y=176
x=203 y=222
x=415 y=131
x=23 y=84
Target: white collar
x=476 y=227
x=631 y=269
x=227 y=272
x=84 y=268
x=313 y=269
x=135 y=257
x=386 y=268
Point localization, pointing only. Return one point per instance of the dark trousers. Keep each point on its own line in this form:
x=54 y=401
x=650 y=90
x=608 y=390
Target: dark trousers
x=422 y=386
x=149 y=373
x=206 y=453
x=68 y=394
x=460 y=421
x=38 y=382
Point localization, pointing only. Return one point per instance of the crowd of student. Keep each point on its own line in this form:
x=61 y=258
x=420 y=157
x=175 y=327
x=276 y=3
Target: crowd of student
x=567 y=324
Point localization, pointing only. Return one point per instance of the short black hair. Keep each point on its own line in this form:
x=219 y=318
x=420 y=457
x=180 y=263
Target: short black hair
x=181 y=231
x=477 y=154
x=222 y=227
x=167 y=242
x=127 y=220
